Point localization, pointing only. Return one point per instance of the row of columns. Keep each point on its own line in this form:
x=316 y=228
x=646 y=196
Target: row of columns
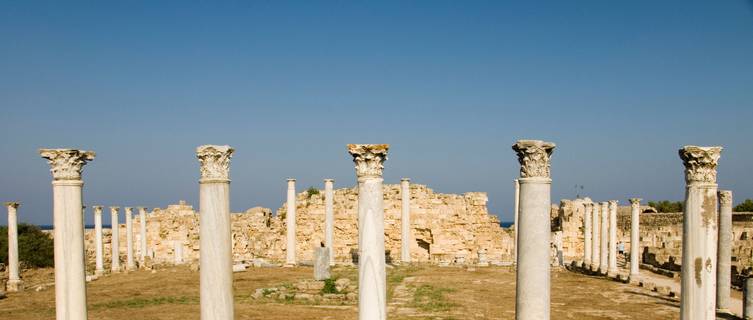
x=115 y=239
x=600 y=236
x=329 y=221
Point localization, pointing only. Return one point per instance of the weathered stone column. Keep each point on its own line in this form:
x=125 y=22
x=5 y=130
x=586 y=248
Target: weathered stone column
x=587 y=208
x=290 y=243
x=612 y=237
x=14 y=276
x=724 y=251
x=130 y=264
x=596 y=241
x=68 y=218
x=405 y=234
x=699 y=233
x=142 y=231
x=215 y=258
x=517 y=214
x=99 y=268
x=177 y=252
x=372 y=281
x=532 y=273
x=604 y=238
x=748 y=299
x=329 y=219
x=635 y=245
x=115 y=240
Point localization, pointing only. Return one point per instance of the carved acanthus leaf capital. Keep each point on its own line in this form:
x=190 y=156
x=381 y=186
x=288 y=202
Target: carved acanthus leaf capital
x=66 y=164
x=114 y=210
x=635 y=202
x=700 y=163
x=369 y=158
x=725 y=197
x=13 y=204
x=214 y=161
x=97 y=209
x=533 y=156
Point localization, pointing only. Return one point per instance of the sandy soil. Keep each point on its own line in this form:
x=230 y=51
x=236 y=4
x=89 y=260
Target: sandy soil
x=415 y=293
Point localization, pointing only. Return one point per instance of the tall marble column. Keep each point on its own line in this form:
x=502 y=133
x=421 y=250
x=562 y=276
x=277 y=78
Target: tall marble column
x=724 y=251
x=635 y=240
x=142 y=231
x=587 y=234
x=699 y=233
x=215 y=257
x=114 y=240
x=14 y=276
x=372 y=281
x=290 y=243
x=68 y=218
x=405 y=234
x=604 y=238
x=748 y=299
x=532 y=273
x=329 y=219
x=596 y=241
x=130 y=263
x=612 y=237
x=517 y=210
x=99 y=268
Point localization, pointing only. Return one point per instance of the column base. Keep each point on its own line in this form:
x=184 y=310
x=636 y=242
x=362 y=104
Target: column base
x=15 y=286
x=289 y=265
x=99 y=273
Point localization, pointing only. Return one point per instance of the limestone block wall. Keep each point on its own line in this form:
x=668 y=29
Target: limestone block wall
x=445 y=227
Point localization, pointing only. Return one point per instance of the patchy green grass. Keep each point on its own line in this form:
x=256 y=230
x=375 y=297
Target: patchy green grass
x=145 y=302
x=430 y=298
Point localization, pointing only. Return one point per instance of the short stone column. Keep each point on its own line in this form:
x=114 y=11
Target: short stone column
x=178 y=252
x=604 y=238
x=724 y=252
x=612 y=237
x=635 y=240
x=142 y=232
x=68 y=218
x=14 y=276
x=596 y=241
x=130 y=263
x=532 y=273
x=321 y=264
x=99 y=264
x=329 y=219
x=215 y=240
x=699 y=233
x=405 y=234
x=748 y=299
x=114 y=240
x=516 y=208
x=290 y=243
x=372 y=281
x=587 y=224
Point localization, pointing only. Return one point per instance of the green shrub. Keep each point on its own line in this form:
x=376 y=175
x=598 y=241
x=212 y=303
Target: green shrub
x=312 y=191
x=665 y=206
x=329 y=286
x=745 y=206
x=35 y=248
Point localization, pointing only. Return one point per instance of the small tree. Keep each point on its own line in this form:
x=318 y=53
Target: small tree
x=35 y=248
x=745 y=206
x=312 y=191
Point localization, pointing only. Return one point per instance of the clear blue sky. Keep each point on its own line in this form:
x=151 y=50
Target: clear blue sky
x=619 y=86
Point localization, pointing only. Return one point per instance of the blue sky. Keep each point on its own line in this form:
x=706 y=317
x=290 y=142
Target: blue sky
x=619 y=86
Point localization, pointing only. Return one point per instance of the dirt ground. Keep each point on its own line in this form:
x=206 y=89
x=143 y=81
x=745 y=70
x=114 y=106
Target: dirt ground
x=414 y=293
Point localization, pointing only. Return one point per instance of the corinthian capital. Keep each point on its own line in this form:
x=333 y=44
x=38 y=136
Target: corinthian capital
x=725 y=197
x=66 y=164
x=533 y=156
x=369 y=158
x=635 y=202
x=700 y=163
x=12 y=204
x=214 y=161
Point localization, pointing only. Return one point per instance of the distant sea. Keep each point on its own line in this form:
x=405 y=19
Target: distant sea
x=504 y=224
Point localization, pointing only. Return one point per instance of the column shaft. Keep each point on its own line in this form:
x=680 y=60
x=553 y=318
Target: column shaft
x=748 y=299
x=130 y=264
x=724 y=251
x=587 y=234
x=635 y=246
x=604 y=238
x=98 y=250
x=517 y=215
x=14 y=276
x=405 y=233
x=596 y=241
x=612 y=237
x=329 y=219
x=142 y=231
x=114 y=240
x=290 y=243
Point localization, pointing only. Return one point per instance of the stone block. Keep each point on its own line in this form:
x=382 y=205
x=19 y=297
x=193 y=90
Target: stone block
x=321 y=263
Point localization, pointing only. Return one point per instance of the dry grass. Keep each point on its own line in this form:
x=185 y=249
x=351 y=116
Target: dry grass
x=427 y=292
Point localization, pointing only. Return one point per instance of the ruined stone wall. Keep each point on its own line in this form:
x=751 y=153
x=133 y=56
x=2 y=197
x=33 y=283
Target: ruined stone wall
x=446 y=227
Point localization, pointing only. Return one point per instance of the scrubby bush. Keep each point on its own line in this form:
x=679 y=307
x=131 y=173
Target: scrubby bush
x=667 y=206
x=745 y=206
x=35 y=248
x=312 y=191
